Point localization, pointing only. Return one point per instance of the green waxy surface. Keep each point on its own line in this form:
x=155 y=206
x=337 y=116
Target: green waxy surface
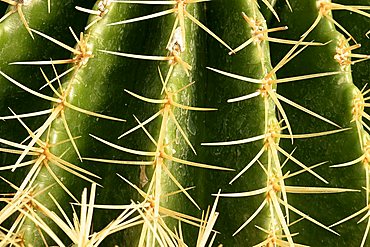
x=12 y=32
x=332 y=98
x=100 y=81
x=190 y=121
x=234 y=121
x=99 y=86
x=97 y=90
x=357 y=25
x=17 y=45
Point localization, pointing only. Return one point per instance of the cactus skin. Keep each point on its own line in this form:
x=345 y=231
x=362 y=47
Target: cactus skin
x=331 y=97
x=99 y=86
x=80 y=83
x=247 y=62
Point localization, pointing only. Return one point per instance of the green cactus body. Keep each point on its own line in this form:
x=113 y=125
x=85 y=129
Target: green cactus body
x=63 y=127
x=13 y=31
x=253 y=61
x=170 y=130
x=204 y=123
x=168 y=143
x=274 y=188
x=358 y=27
x=336 y=94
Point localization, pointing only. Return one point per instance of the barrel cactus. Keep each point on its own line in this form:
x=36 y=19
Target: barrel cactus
x=184 y=123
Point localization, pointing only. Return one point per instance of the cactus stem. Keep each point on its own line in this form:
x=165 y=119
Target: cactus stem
x=174 y=58
x=192 y=18
x=181 y=13
x=56 y=78
x=182 y=189
x=103 y=9
x=122 y=162
x=268 y=83
x=270 y=144
x=166 y=110
x=263 y=204
x=324 y=10
x=274 y=239
x=269 y=141
x=287 y=155
x=131 y=151
x=260 y=33
x=351 y=216
x=307 y=217
x=273 y=187
x=302 y=171
x=166 y=114
x=367 y=208
x=149 y=215
x=299 y=107
x=82 y=52
x=58 y=110
x=271 y=8
x=142 y=124
x=44 y=157
x=274 y=135
x=142 y=18
x=17 y=8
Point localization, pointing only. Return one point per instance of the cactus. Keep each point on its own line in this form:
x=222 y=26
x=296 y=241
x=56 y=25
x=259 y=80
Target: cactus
x=184 y=123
